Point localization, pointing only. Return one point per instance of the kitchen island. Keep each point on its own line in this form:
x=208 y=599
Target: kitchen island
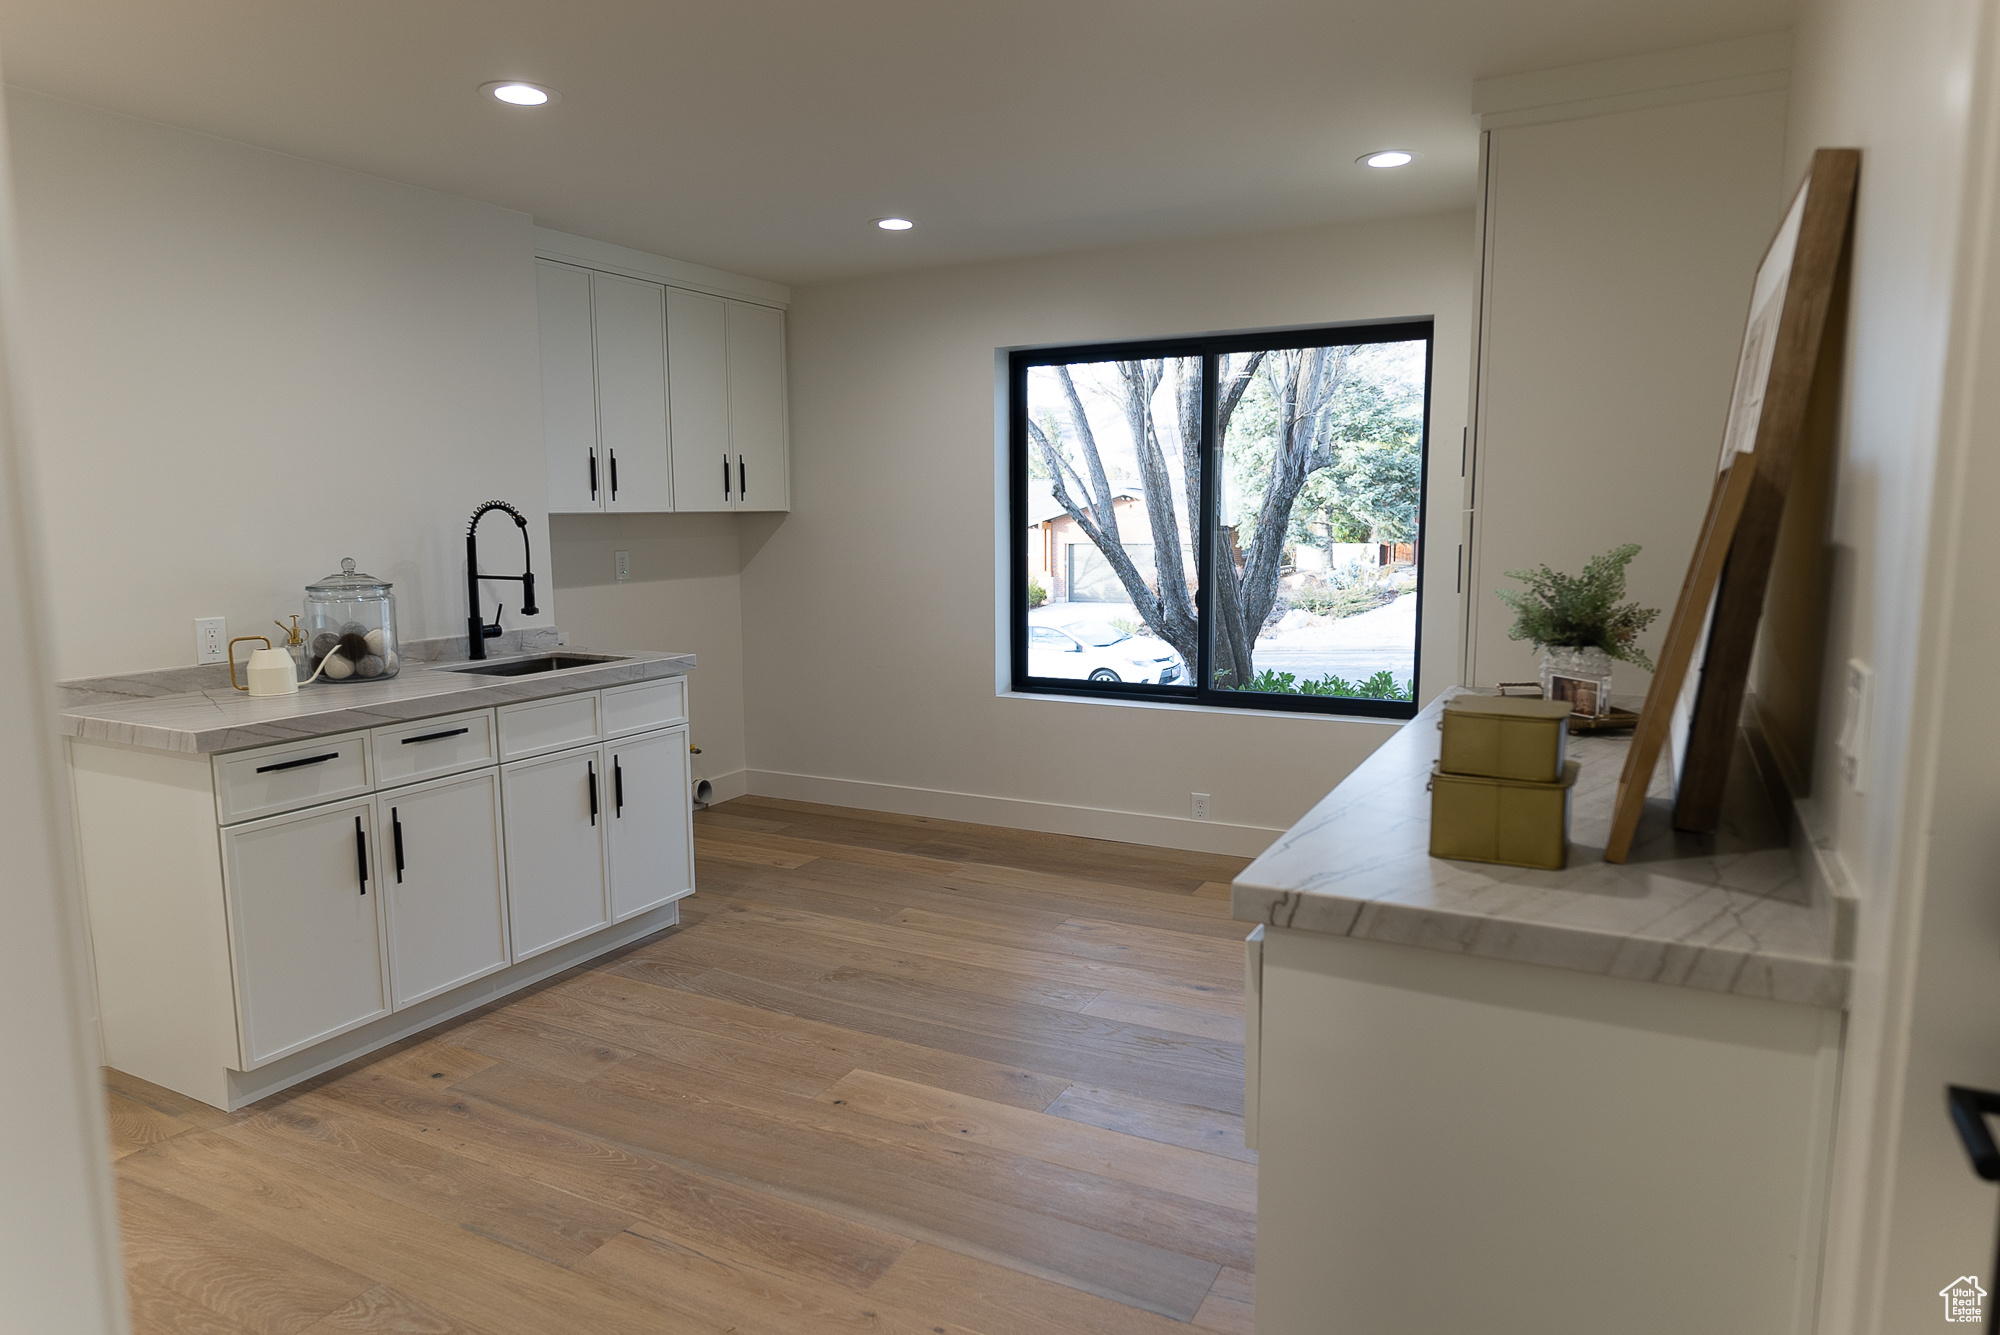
x=1538 y=1102
x=278 y=885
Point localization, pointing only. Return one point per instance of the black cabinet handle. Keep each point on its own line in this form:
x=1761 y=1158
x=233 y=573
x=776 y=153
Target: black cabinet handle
x=593 y=475
x=618 y=787
x=361 y=854
x=742 y=481
x=592 y=767
x=725 y=477
x=614 y=473
x=396 y=825
x=1969 y=1110
x=294 y=764
x=436 y=736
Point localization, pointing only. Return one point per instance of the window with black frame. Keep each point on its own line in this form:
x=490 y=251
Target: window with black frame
x=1231 y=521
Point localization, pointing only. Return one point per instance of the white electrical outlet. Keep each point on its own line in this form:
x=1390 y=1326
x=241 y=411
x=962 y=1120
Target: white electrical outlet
x=624 y=562
x=1201 y=806
x=1858 y=704
x=211 y=640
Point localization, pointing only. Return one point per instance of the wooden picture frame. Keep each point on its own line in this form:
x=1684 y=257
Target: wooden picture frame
x=1715 y=618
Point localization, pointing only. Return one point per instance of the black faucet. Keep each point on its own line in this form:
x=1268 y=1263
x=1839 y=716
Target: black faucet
x=477 y=632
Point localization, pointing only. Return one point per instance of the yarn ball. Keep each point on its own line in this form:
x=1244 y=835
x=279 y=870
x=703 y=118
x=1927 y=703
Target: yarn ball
x=377 y=642
x=390 y=662
x=353 y=648
x=369 y=666
x=323 y=643
x=353 y=628
x=337 y=668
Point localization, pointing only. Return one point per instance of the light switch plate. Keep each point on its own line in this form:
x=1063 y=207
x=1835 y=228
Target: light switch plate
x=624 y=565
x=1857 y=705
x=211 y=640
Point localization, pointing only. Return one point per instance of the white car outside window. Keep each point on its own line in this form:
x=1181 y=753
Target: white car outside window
x=1099 y=653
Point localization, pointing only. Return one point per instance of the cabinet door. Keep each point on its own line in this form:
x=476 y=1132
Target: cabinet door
x=757 y=406
x=629 y=317
x=555 y=828
x=569 y=386
x=444 y=884
x=304 y=928
x=652 y=847
x=698 y=373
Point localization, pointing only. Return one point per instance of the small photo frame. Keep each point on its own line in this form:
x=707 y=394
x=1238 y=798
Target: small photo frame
x=1586 y=695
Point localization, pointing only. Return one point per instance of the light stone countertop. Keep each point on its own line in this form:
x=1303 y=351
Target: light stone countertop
x=1727 y=912
x=161 y=712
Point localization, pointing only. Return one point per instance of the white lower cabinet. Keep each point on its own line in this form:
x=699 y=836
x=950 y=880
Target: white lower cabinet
x=652 y=858
x=555 y=823
x=305 y=927
x=263 y=915
x=444 y=884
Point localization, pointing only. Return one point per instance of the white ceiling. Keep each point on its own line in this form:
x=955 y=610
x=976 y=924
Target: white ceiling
x=763 y=136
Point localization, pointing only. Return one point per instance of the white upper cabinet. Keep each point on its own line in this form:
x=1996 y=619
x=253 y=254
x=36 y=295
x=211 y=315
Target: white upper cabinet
x=757 y=406
x=569 y=386
x=698 y=365
x=656 y=397
x=629 y=328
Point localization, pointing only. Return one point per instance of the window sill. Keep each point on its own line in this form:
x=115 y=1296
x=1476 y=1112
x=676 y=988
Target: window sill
x=1300 y=715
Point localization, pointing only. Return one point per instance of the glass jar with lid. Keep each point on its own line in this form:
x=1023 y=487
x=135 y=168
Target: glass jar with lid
x=350 y=629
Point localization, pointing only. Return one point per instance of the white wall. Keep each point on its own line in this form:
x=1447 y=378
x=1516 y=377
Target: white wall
x=685 y=594
x=1913 y=552
x=870 y=622
x=1621 y=247
x=59 y=1261
x=246 y=366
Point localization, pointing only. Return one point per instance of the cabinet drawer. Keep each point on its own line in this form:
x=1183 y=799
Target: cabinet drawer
x=647 y=704
x=432 y=747
x=536 y=726
x=279 y=778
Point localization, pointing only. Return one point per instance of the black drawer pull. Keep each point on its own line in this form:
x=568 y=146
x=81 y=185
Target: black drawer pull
x=294 y=764
x=618 y=787
x=436 y=736
x=614 y=473
x=592 y=767
x=361 y=854
x=593 y=475
x=396 y=824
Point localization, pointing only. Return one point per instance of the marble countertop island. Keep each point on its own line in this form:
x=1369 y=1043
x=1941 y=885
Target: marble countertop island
x=1727 y=912
x=198 y=712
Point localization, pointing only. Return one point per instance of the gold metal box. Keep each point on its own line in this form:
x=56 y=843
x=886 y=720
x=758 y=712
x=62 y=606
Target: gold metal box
x=1504 y=737
x=1481 y=819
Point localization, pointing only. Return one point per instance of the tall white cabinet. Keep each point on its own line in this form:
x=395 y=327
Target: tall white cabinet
x=658 y=397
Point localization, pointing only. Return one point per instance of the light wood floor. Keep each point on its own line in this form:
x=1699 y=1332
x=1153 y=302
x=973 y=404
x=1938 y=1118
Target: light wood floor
x=890 y=1075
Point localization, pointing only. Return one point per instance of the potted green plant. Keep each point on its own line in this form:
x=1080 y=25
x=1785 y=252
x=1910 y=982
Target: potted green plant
x=1581 y=626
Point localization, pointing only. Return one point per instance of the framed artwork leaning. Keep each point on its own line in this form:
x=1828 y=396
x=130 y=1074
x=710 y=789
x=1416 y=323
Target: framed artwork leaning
x=1704 y=662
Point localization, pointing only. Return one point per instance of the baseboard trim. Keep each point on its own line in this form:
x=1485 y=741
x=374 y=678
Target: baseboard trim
x=1125 y=827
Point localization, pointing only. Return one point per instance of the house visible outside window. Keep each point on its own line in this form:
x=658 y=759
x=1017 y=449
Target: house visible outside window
x=1233 y=521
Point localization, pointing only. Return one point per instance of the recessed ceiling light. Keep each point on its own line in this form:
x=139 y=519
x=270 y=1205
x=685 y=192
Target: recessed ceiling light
x=518 y=94
x=1388 y=157
x=894 y=224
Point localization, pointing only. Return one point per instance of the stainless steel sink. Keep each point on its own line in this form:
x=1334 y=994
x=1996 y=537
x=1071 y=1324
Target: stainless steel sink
x=523 y=667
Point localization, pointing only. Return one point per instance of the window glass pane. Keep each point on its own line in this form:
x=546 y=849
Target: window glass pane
x=1318 y=492
x=1113 y=507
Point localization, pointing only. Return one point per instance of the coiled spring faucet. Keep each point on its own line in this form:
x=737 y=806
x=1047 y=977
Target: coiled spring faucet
x=477 y=632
